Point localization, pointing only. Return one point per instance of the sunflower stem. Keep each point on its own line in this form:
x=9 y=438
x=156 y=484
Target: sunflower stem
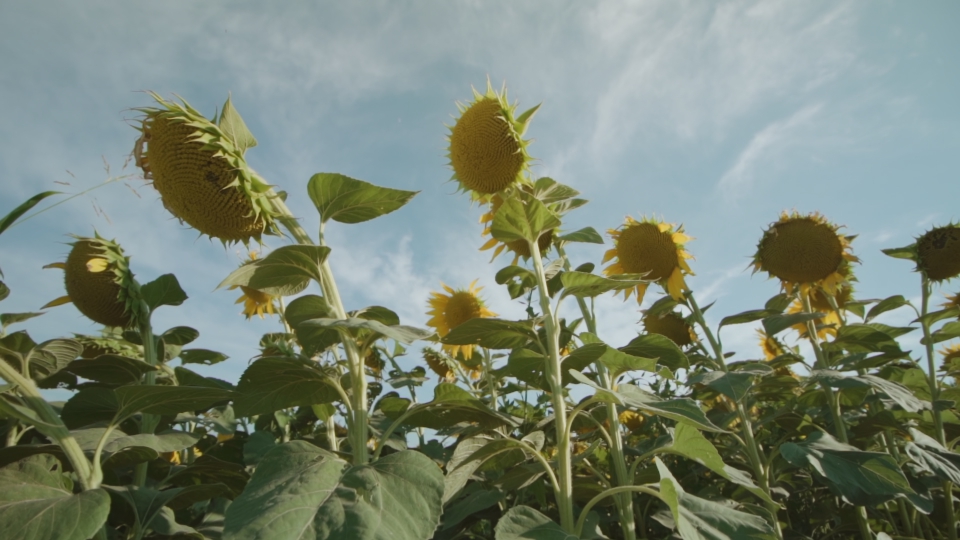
x=491 y=380
x=833 y=402
x=624 y=499
x=749 y=442
x=554 y=375
x=358 y=434
x=148 y=422
x=934 y=397
x=53 y=426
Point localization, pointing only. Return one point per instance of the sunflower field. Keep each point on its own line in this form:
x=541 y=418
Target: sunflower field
x=488 y=427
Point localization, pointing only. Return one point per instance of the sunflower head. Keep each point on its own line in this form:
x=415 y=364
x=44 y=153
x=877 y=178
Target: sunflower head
x=938 y=253
x=820 y=301
x=653 y=249
x=671 y=325
x=99 y=282
x=454 y=308
x=804 y=250
x=487 y=150
x=255 y=302
x=633 y=420
x=771 y=346
x=439 y=364
x=198 y=167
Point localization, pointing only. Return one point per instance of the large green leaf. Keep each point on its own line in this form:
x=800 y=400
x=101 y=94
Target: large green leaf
x=619 y=362
x=348 y=200
x=679 y=409
x=775 y=324
x=202 y=356
x=700 y=519
x=656 y=346
x=6 y=319
x=275 y=383
x=588 y=235
x=900 y=394
x=49 y=357
x=110 y=369
x=285 y=271
x=167 y=400
x=401 y=333
x=590 y=285
x=747 y=316
x=734 y=385
x=89 y=406
x=929 y=454
x=144 y=505
x=301 y=492
x=459 y=469
x=451 y=405
x=525 y=523
x=38 y=504
x=167 y=441
x=471 y=504
x=862 y=478
x=163 y=291
x=522 y=218
x=690 y=443
x=491 y=334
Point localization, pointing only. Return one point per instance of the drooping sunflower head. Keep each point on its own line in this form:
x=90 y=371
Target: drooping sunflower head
x=439 y=364
x=654 y=249
x=255 y=302
x=938 y=253
x=820 y=301
x=771 y=346
x=951 y=361
x=953 y=302
x=198 y=167
x=804 y=250
x=99 y=282
x=671 y=325
x=454 y=308
x=487 y=150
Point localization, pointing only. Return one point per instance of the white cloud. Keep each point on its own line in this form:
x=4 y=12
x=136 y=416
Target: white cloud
x=767 y=143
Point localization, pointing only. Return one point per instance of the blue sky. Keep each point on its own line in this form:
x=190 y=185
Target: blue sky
x=714 y=115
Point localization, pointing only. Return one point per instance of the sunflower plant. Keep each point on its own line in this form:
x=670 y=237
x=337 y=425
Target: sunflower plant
x=536 y=426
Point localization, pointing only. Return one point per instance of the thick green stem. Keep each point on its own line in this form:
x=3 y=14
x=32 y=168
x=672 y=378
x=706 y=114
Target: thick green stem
x=358 y=379
x=148 y=422
x=554 y=375
x=491 y=380
x=934 y=385
x=750 y=444
x=833 y=402
x=628 y=521
x=53 y=426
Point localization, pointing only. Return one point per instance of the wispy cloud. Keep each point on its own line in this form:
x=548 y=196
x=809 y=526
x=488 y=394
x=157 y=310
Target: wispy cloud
x=764 y=145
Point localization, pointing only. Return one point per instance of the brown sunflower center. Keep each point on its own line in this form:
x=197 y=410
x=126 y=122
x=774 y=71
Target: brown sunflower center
x=671 y=326
x=801 y=250
x=461 y=307
x=484 y=152
x=195 y=185
x=644 y=248
x=938 y=252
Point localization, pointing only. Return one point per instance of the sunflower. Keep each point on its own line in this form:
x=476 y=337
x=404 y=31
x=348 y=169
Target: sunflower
x=819 y=301
x=771 y=346
x=99 y=282
x=199 y=169
x=487 y=150
x=951 y=361
x=938 y=253
x=439 y=364
x=804 y=251
x=653 y=249
x=633 y=420
x=255 y=302
x=671 y=325
x=451 y=310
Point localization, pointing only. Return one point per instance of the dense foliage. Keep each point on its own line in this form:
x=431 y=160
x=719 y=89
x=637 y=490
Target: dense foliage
x=328 y=433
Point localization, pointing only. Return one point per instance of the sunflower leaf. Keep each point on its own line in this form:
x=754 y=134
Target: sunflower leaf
x=522 y=218
x=523 y=522
x=590 y=285
x=775 y=324
x=347 y=200
x=271 y=384
x=660 y=347
x=9 y=219
x=885 y=305
x=906 y=252
x=491 y=333
x=300 y=491
x=748 y=316
x=700 y=519
x=163 y=291
x=401 y=333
